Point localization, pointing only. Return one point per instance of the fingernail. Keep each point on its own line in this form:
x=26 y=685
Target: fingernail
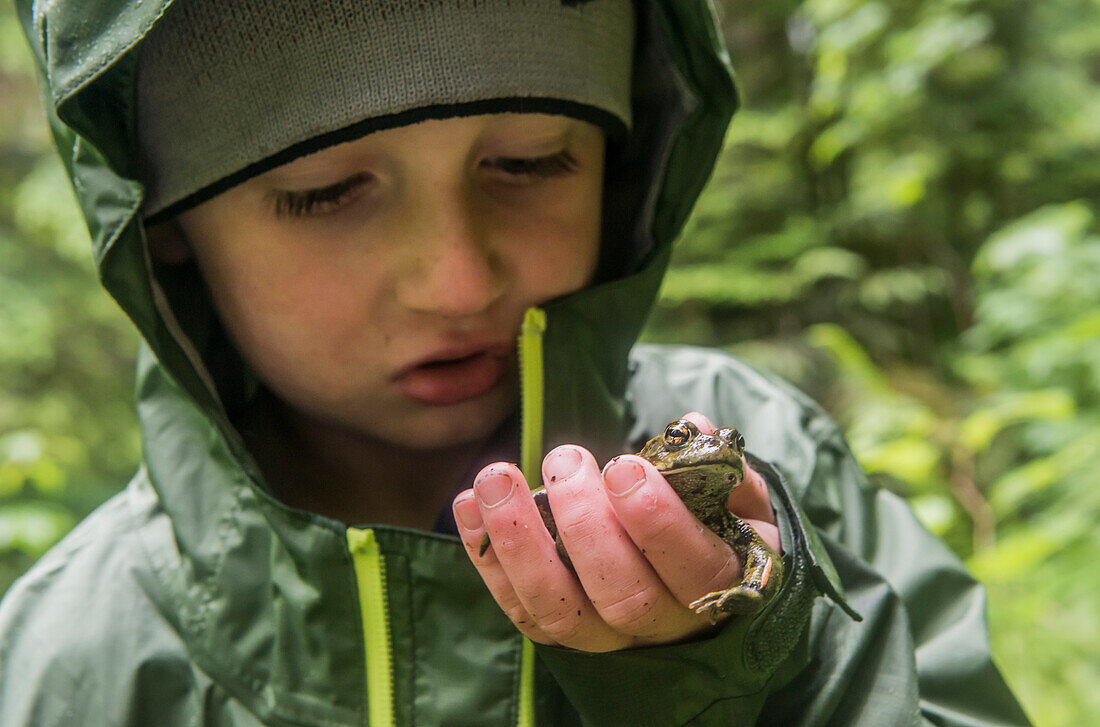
x=468 y=514
x=561 y=464
x=493 y=488
x=622 y=476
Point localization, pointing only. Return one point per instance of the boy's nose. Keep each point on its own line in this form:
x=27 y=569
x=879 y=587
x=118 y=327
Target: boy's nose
x=454 y=268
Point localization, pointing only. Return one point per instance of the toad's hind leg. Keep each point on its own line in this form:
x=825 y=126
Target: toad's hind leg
x=762 y=572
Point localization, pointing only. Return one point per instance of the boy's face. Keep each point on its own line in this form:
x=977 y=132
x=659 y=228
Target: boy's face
x=377 y=286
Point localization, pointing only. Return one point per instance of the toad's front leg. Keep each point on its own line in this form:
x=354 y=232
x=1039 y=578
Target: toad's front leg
x=762 y=573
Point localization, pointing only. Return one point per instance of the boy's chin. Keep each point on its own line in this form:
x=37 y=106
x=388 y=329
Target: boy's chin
x=471 y=423
x=417 y=427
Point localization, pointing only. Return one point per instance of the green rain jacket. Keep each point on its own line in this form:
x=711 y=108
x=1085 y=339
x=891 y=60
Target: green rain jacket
x=196 y=598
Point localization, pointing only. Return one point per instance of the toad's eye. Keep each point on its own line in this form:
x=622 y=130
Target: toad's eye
x=733 y=438
x=677 y=434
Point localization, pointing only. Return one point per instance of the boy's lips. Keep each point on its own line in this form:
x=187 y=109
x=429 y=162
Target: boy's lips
x=454 y=375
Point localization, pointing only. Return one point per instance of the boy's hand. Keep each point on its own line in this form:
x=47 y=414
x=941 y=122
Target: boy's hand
x=640 y=556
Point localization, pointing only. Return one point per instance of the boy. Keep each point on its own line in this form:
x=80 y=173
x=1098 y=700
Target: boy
x=330 y=221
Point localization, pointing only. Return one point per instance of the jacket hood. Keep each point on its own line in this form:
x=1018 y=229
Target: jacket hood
x=263 y=595
x=683 y=98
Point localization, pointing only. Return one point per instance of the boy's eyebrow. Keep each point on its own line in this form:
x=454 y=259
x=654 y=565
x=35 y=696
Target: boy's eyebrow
x=325 y=162
x=533 y=123
x=527 y=137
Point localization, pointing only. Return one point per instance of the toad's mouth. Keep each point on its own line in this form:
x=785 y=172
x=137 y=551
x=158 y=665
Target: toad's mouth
x=721 y=468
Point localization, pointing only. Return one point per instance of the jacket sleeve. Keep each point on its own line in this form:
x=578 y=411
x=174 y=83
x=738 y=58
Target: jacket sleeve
x=920 y=653
x=722 y=679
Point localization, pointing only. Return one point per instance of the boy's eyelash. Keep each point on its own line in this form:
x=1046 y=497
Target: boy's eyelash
x=313 y=201
x=310 y=201
x=539 y=167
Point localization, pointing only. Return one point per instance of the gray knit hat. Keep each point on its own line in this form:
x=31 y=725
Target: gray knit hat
x=228 y=89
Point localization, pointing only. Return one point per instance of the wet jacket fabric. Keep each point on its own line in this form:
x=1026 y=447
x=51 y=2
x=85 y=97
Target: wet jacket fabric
x=195 y=597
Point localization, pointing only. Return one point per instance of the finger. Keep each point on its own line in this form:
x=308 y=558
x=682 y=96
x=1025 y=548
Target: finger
x=768 y=532
x=471 y=530
x=751 y=500
x=689 y=557
x=528 y=556
x=701 y=421
x=626 y=591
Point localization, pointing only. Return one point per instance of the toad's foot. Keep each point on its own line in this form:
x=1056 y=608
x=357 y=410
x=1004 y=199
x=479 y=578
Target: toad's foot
x=739 y=600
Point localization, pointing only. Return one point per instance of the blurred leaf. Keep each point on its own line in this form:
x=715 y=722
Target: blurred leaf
x=900 y=286
x=1015 y=557
x=981 y=425
x=729 y=285
x=32 y=527
x=851 y=357
x=936 y=512
x=913 y=460
x=1044 y=233
x=828 y=262
x=39 y=213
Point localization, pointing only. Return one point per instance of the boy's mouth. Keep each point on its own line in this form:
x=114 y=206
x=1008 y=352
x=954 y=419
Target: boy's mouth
x=455 y=376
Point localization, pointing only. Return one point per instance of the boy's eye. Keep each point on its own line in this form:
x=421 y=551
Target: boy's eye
x=299 y=203
x=554 y=165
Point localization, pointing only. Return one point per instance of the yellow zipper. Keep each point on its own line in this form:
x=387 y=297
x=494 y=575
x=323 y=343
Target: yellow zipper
x=525 y=716
x=370 y=573
x=370 y=566
x=531 y=386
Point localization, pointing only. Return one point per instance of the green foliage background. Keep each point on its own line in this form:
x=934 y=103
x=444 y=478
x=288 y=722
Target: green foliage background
x=903 y=224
